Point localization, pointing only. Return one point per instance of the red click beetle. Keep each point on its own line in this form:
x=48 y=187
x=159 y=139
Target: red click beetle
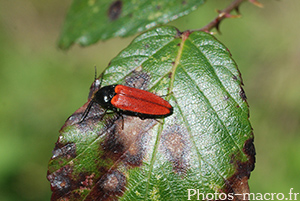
x=131 y=101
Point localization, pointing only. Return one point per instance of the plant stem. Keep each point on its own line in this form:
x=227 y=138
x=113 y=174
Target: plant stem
x=222 y=15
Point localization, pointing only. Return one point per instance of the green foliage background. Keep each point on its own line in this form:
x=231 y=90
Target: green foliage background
x=41 y=86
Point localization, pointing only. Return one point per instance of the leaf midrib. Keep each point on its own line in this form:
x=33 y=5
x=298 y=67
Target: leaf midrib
x=173 y=70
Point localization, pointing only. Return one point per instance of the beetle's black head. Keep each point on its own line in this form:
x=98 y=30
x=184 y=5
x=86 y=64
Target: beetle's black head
x=104 y=95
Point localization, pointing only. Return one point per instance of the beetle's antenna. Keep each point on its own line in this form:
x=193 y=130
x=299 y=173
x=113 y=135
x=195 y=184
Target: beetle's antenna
x=95 y=73
x=88 y=108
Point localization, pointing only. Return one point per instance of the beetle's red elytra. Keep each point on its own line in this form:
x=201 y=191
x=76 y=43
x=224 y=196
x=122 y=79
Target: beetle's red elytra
x=140 y=102
x=131 y=101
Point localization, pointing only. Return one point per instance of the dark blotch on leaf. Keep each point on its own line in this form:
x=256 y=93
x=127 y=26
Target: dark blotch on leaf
x=113 y=148
x=64 y=184
x=111 y=185
x=128 y=142
x=138 y=79
x=238 y=183
x=175 y=145
x=242 y=94
x=135 y=159
x=113 y=182
x=67 y=151
x=249 y=150
x=115 y=10
x=244 y=168
x=60 y=182
x=136 y=147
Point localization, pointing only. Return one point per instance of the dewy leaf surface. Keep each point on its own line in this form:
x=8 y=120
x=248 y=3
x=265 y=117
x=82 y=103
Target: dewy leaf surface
x=93 y=20
x=207 y=143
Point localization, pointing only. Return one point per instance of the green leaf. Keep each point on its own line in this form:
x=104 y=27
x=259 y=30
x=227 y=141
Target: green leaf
x=207 y=143
x=93 y=20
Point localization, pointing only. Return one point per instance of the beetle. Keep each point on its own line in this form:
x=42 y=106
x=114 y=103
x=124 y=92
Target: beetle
x=131 y=101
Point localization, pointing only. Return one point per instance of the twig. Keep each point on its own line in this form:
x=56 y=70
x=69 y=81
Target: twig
x=222 y=15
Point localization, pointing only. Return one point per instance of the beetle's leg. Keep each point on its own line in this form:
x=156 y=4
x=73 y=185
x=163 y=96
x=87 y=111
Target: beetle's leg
x=86 y=111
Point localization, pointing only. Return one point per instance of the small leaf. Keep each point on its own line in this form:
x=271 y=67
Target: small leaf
x=207 y=143
x=93 y=20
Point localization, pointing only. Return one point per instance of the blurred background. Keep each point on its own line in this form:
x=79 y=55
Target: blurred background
x=40 y=86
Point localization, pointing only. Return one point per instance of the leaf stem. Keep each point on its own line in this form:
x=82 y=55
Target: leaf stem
x=222 y=15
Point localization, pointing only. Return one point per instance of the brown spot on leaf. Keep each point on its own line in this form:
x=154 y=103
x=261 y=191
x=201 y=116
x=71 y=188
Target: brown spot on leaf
x=242 y=94
x=249 y=150
x=111 y=146
x=113 y=181
x=136 y=150
x=175 y=145
x=115 y=10
x=65 y=184
x=238 y=183
x=239 y=188
x=64 y=150
x=60 y=182
x=109 y=187
x=138 y=79
x=129 y=142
